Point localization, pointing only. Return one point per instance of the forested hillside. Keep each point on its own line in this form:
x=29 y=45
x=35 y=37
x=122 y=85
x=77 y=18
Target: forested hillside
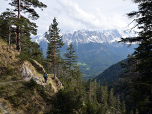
x=112 y=73
x=23 y=89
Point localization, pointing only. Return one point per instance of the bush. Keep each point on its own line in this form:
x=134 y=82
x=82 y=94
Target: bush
x=33 y=84
x=10 y=70
x=23 y=56
x=1 y=111
x=0 y=61
x=65 y=102
x=14 y=100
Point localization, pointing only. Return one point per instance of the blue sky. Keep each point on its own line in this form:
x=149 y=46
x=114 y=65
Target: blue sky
x=83 y=14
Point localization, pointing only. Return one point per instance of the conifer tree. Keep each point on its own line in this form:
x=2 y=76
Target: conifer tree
x=90 y=90
x=55 y=43
x=9 y=18
x=95 y=89
x=79 y=80
x=123 y=107
x=102 y=94
x=71 y=58
x=142 y=85
x=118 y=104
x=3 y=28
x=111 y=99
x=99 y=92
x=105 y=94
x=23 y=25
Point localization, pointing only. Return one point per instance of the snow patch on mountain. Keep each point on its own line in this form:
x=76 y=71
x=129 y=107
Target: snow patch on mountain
x=39 y=38
x=86 y=36
x=97 y=36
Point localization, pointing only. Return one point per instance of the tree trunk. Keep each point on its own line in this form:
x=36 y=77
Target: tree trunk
x=9 y=35
x=80 y=87
x=54 y=57
x=90 y=92
x=18 y=47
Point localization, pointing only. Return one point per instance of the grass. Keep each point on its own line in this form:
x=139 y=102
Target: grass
x=9 y=65
x=23 y=97
x=1 y=111
x=38 y=66
x=39 y=74
x=2 y=42
x=81 y=64
x=87 y=68
x=84 y=65
x=1 y=62
x=26 y=97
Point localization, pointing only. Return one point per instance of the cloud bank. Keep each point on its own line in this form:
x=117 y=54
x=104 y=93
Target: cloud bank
x=75 y=14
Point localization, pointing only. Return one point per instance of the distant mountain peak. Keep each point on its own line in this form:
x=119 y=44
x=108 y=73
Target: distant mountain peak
x=86 y=36
x=97 y=36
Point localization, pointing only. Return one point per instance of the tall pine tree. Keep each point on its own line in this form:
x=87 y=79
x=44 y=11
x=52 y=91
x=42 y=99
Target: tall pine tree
x=55 y=43
x=142 y=83
x=71 y=58
x=23 y=25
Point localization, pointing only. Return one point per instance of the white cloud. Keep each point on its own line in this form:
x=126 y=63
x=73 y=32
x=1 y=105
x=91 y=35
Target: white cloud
x=92 y=20
x=82 y=14
x=73 y=11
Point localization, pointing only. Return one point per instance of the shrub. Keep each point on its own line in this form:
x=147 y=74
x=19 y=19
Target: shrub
x=1 y=111
x=65 y=102
x=0 y=61
x=10 y=70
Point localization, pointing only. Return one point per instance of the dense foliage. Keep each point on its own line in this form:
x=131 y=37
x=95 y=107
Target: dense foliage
x=20 y=24
x=141 y=62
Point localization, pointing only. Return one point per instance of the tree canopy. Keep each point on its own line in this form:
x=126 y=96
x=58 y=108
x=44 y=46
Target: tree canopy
x=24 y=27
x=142 y=84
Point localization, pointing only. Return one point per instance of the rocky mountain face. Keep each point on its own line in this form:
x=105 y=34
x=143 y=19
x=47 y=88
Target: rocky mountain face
x=96 y=50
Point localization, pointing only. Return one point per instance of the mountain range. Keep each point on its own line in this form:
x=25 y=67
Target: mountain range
x=96 y=50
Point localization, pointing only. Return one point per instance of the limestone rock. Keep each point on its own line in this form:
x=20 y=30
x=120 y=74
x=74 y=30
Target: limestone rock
x=26 y=72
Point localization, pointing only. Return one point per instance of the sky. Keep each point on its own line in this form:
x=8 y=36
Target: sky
x=82 y=14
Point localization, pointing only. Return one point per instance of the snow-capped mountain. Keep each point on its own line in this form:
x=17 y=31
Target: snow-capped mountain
x=86 y=36
x=39 y=38
x=97 y=49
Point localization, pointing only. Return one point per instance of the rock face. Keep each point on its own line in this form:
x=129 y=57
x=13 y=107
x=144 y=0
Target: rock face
x=26 y=72
x=3 y=109
x=38 y=79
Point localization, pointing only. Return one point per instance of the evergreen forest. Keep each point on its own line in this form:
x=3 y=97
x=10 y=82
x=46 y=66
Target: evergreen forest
x=123 y=88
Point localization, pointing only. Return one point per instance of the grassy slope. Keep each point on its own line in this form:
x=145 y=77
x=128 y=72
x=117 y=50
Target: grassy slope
x=23 y=97
x=9 y=64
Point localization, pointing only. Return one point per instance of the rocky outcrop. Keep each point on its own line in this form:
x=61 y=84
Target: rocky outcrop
x=26 y=72
x=3 y=109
